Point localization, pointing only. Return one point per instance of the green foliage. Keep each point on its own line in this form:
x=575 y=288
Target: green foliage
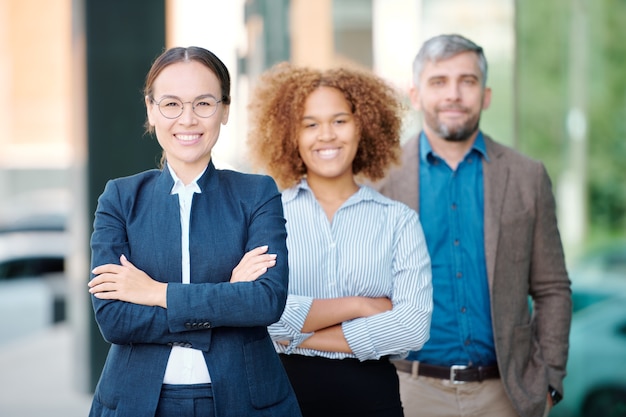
x=545 y=35
x=607 y=111
x=542 y=29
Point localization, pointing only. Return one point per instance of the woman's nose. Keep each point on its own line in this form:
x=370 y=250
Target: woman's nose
x=187 y=116
x=326 y=132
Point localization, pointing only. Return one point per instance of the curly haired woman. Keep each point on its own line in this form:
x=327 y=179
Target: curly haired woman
x=360 y=289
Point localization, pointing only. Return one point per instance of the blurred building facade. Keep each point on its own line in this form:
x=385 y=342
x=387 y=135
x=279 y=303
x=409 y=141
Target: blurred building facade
x=35 y=89
x=38 y=75
x=45 y=143
x=56 y=141
x=383 y=36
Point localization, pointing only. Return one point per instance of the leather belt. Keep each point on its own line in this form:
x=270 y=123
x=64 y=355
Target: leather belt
x=457 y=374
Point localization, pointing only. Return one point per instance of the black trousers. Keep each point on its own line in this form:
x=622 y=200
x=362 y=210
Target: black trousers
x=346 y=387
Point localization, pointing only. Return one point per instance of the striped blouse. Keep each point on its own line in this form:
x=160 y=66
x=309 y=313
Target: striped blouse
x=374 y=247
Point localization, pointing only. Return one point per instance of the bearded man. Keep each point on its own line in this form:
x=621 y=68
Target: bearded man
x=502 y=300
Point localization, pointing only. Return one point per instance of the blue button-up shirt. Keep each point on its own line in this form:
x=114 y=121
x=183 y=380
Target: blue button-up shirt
x=451 y=208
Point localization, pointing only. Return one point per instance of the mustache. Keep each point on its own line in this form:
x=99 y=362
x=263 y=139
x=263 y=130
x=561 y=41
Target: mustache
x=454 y=107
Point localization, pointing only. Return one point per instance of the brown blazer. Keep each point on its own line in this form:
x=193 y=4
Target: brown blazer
x=524 y=258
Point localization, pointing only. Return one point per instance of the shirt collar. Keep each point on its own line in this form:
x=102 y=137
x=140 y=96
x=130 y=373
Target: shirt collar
x=179 y=187
x=426 y=150
x=364 y=193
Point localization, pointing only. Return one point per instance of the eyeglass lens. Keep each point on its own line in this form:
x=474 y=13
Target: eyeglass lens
x=172 y=108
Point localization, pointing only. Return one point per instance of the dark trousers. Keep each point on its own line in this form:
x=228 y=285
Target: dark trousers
x=347 y=387
x=186 y=400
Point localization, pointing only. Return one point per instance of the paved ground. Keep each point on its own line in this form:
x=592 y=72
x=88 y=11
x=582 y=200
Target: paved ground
x=38 y=376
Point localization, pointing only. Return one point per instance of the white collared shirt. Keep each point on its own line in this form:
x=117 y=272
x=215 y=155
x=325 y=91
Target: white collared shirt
x=185 y=365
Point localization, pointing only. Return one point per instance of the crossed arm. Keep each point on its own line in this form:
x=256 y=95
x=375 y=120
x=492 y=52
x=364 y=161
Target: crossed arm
x=326 y=315
x=125 y=282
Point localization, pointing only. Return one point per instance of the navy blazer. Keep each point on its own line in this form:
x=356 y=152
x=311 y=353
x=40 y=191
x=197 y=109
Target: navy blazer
x=235 y=212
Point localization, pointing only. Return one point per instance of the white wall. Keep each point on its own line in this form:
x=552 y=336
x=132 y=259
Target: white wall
x=218 y=26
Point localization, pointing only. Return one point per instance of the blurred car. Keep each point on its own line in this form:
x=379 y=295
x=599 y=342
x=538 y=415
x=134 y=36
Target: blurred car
x=33 y=284
x=603 y=263
x=595 y=385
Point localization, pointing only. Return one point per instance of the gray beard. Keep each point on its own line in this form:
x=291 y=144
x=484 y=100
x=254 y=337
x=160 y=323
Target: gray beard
x=461 y=134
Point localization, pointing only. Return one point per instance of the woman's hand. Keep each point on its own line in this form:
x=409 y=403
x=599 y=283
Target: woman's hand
x=127 y=283
x=253 y=264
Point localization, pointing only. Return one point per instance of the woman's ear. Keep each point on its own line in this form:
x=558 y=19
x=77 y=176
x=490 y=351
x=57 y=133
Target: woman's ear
x=225 y=113
x=150 y=106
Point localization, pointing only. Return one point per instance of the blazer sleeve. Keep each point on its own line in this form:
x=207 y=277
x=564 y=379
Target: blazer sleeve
x=122 y=322
x=550 y=284
x=194 y=309
x=242 y=304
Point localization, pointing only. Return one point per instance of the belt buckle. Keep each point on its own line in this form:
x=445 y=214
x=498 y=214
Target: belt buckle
x=453 y=370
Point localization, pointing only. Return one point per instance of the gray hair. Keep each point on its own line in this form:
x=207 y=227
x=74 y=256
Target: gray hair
x=446 y=46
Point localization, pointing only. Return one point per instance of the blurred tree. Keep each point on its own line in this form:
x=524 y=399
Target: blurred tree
x=541 y=81
x=607 y=113
x=544 y=91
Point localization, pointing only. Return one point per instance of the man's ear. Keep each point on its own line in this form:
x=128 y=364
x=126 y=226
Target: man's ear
x=414 y=95
x=486 y=98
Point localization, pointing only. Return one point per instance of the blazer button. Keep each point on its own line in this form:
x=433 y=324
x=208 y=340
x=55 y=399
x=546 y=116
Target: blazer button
x=206 y=325
x=188 y=326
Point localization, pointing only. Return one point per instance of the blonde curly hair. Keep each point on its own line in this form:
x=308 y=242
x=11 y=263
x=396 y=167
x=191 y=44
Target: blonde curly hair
x=277 y=106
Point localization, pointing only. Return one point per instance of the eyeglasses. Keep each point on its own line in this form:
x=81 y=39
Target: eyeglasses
x=172 y=107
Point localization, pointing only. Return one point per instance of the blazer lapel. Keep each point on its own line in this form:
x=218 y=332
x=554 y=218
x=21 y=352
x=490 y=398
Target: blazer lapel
x=495 y=174
x=206 y=238
x=166 y=229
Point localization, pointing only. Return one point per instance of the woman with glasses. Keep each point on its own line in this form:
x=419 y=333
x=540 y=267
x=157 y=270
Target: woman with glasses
x=359 y=272
x=190 y=265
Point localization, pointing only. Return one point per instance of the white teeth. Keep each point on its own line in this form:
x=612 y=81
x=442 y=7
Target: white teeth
x=328 y=153
x=187 y=137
